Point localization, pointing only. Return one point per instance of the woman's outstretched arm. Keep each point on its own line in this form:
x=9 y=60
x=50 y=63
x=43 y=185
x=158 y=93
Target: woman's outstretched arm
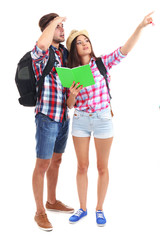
x=135 y=36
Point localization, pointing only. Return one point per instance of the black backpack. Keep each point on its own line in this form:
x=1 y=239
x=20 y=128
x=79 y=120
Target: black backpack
x=26 y=81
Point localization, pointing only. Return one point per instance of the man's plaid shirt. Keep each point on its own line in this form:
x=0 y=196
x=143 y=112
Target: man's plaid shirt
x=52 y=100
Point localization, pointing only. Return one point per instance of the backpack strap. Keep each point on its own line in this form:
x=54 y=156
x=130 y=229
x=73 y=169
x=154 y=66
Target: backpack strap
x=103 y=71
x=50 y=64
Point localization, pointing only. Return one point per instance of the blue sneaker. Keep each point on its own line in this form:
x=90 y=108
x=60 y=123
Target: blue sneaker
x=77 y=216
x=100 y=218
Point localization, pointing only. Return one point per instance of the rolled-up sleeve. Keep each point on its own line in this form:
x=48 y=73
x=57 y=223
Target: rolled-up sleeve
x=113 y=58
x=39 y=55
x=39 y=60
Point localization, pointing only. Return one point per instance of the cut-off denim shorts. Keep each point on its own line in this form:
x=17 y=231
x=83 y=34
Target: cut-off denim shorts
x=99 y=123
x=51 y=136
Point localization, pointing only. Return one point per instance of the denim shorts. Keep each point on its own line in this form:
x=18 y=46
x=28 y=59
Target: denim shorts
x=51 y=136
x=99 y=123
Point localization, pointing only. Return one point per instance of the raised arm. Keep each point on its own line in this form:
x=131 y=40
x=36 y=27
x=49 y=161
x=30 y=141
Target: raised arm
x=135 y=36
x=46 y=37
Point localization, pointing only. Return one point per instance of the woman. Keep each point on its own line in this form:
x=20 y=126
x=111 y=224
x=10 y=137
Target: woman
x=93 y=115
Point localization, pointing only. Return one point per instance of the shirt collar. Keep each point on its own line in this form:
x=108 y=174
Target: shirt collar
x=64 y=53
x=61 y=46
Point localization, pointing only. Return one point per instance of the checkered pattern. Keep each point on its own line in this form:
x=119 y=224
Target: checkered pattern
x=52 y=101
x=95 y=97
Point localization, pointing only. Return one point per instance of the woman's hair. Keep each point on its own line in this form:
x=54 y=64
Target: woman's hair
x=73 y=58
x=45 y=20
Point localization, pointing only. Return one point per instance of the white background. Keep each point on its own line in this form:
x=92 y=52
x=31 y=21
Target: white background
x=132 y=205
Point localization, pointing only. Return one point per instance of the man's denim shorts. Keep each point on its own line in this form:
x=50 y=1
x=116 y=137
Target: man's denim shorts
x=51 y=136
x=99 y=123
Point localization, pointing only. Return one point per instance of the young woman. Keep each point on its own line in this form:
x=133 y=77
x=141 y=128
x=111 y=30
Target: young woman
x=93 y=115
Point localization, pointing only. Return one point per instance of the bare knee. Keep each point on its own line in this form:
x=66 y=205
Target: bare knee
x=102 y=170
x=82 y=168
x=55 y=163
x=42 y=166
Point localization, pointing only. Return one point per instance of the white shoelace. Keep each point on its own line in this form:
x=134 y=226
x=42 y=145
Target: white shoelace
x=100 y=215
x=78 y=213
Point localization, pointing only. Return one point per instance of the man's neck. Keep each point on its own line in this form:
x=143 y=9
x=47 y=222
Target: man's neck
x=56 y=45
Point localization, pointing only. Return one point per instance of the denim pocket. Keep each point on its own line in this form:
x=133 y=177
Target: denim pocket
x=46 y=124
x=105 y=115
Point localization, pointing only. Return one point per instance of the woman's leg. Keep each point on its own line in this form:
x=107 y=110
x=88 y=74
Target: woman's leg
x=81 y=145
x=103 y=147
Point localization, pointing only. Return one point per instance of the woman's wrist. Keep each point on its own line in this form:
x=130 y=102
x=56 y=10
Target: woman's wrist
x=140 y=26
x=72 y=96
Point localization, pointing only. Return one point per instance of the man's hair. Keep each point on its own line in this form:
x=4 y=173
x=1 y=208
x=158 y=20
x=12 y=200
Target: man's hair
x=45 y=20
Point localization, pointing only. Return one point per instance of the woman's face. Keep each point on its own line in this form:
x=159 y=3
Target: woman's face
x=83 y=46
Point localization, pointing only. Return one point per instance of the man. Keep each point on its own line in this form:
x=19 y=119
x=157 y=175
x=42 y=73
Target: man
x=52 y=122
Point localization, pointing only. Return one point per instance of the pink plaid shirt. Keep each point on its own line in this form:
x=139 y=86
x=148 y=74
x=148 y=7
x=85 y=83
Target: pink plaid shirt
x=95 y=98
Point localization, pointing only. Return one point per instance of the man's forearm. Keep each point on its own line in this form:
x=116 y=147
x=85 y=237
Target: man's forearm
x=46 y=38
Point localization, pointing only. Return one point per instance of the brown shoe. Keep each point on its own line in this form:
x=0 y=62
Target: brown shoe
x=59 y=207
x=43 y=222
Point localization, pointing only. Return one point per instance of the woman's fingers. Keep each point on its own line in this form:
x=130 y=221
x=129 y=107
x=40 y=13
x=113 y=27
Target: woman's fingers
x=79 y=89
x=72 y=86
x=148 y=19
x=149 y=14
x=75 y=88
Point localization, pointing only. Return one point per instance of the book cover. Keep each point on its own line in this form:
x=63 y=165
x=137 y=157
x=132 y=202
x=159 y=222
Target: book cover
x=82 y=74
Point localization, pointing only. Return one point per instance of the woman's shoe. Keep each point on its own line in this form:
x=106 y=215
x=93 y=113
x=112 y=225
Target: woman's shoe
x=100 y=218
x=77 y=216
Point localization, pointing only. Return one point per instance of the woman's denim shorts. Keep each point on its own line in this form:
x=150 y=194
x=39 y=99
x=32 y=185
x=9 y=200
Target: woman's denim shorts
x=100 y=123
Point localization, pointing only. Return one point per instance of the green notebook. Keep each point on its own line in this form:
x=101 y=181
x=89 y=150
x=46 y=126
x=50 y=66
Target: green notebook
x=82 y=74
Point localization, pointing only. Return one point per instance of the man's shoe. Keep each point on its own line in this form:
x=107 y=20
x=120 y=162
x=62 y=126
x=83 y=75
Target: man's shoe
x=77 y=216
x=59 y=207
x=43 y=222
x=100 y=218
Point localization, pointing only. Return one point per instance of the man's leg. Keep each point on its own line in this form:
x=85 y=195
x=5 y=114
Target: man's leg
x=52 y=179
x=38 y=182
x=46 y=134
x=53 y=171
x=52 y=176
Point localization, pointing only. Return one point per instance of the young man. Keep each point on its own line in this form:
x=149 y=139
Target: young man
x=52 y=122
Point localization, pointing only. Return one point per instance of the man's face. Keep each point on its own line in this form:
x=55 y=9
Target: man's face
x=59 y=34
